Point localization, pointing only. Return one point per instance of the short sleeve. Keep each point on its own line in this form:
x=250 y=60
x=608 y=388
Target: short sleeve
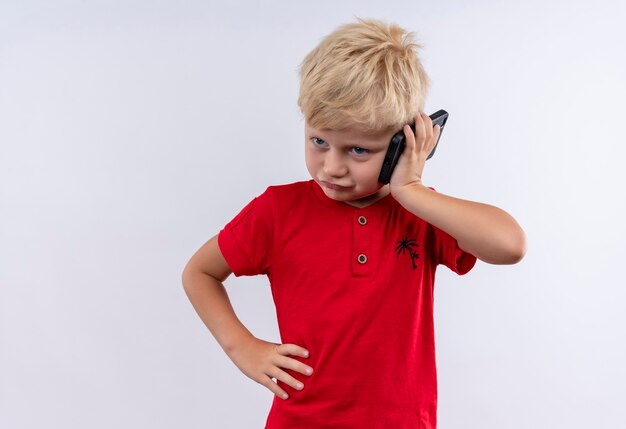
x=446 y=251
x=246 y=240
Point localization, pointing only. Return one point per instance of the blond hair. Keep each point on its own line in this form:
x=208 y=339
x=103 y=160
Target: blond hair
x=365 y=73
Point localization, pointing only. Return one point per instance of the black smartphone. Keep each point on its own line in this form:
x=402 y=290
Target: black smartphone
x=396 y=146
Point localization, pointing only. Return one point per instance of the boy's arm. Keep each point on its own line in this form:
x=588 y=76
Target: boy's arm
x=485 y=231
x=202 y=280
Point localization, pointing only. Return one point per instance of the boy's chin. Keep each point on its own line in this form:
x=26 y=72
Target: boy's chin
x=358 y=199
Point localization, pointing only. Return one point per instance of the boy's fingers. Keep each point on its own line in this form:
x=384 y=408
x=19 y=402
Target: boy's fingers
x=409 y=137
x=273 y=387
x=420 y=130
x=428 y=126
x=427 y=119
x=292 y=349
x=281 y=375
x=296 y=365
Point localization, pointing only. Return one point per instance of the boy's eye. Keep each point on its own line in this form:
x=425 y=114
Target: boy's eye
x=317 y=141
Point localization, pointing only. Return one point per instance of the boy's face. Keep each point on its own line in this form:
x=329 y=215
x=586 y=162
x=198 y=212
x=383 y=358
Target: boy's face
x=346 y=163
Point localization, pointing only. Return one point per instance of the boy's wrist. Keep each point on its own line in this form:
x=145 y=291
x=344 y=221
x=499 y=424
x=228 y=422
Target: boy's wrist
x=408 y=191
x=237 y=342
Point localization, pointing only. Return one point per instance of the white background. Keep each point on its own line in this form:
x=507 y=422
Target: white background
x=132 y=131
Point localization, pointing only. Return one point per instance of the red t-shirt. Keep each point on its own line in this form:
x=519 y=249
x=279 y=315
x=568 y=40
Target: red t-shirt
x=354 y=286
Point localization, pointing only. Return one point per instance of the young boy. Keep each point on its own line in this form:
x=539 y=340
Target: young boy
x=351 y=261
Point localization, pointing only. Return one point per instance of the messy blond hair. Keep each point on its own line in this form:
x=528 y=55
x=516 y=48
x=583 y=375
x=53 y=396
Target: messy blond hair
x=365 y=73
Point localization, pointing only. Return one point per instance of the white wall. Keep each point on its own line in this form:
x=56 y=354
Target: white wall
x=132 y=131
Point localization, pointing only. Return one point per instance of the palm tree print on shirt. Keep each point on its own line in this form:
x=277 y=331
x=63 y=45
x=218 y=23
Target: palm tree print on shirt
x=408 y=244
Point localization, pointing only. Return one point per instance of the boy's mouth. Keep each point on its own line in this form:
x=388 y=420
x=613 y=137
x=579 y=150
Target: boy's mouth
x=333 y=185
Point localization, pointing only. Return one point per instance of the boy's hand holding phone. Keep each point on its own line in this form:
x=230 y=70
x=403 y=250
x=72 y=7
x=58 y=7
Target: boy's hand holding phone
x=262 y=361
x=418 y=147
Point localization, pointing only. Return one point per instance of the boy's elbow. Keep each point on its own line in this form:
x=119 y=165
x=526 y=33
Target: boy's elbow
x=520 y=255
x=185 y=276
x=518 y=249
x=182 y=277
x=515 y=258
x=509 y=254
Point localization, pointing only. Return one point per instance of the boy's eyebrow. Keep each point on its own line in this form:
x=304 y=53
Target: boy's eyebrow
x=374 y=144
x=369 y=141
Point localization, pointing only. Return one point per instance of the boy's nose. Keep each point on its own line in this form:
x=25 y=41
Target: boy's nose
x=334 y=166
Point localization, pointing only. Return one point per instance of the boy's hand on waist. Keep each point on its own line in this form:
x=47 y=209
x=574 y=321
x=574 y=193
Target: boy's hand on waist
x=262 y=362
x=408 y=171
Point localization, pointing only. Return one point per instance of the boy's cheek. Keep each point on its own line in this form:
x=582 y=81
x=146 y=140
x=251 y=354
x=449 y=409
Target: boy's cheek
x=373 y=168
